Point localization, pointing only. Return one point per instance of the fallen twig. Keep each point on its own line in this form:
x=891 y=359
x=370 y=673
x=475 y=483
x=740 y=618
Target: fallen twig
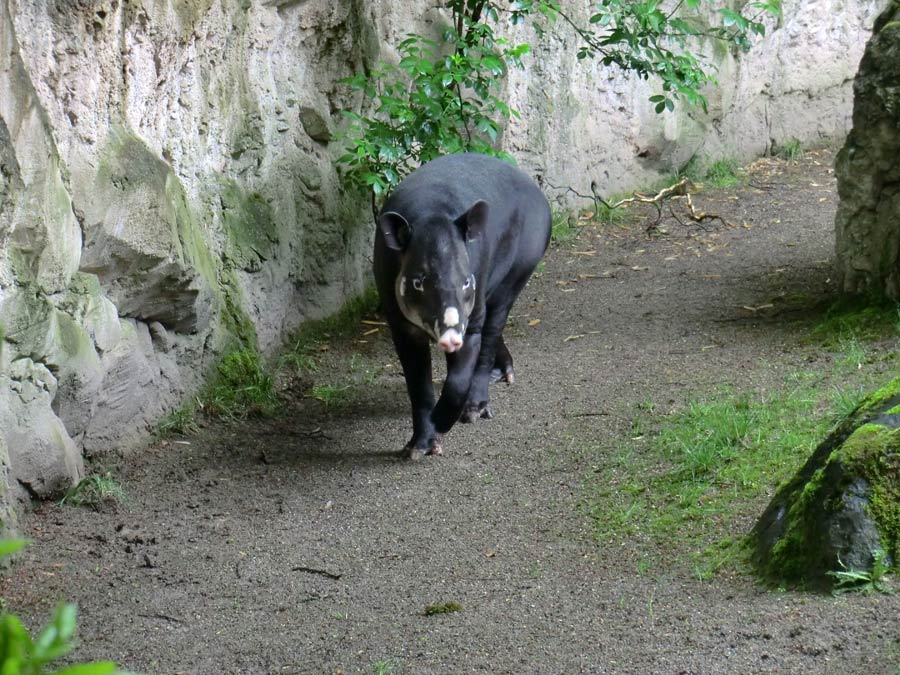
x=677 y=191
x=313 y=570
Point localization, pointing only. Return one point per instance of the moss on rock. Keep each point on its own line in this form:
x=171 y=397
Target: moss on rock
x=843 y=506
x=250 y=225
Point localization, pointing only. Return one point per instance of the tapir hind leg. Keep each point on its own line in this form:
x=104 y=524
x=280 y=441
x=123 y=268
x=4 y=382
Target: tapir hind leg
x=503 y=363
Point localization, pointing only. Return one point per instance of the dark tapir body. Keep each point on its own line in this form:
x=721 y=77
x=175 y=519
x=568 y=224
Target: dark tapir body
x=456 y=243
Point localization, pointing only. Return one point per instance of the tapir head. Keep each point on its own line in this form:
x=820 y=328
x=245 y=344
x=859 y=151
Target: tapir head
x=436 y=285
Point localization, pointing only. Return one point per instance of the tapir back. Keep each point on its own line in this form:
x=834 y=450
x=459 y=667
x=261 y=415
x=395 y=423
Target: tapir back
x=451 y=184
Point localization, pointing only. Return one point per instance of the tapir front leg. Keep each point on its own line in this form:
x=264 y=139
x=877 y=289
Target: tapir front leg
x=460 y=367
x=415 y=357
x=494 y=354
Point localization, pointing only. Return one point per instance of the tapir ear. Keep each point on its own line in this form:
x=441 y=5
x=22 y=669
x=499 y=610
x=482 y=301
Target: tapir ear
x=473 y=221
x=395 y=229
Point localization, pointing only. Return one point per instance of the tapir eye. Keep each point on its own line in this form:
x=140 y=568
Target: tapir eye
x=418 y=283
x=468 y=283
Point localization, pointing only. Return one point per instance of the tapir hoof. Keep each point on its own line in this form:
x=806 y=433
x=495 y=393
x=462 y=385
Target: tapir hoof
x=473 y=413
x=505 y=375
x=434 y=448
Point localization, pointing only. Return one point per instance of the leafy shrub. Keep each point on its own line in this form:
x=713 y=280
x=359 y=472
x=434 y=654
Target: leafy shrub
x=20 y=654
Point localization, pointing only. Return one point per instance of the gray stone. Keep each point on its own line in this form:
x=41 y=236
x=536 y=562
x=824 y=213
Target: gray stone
x=43 y=459
x=134 y=231
x=315 y=125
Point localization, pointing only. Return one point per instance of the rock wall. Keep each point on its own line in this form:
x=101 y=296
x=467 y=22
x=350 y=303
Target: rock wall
x=868 y=171
x=167 y=184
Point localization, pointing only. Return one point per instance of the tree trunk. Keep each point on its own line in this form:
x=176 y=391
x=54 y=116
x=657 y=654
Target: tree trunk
x=868 y=170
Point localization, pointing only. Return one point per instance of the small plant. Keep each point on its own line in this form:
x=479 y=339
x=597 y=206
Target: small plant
x=443 y=608
x=723 y=173
x=313 y=336
x=562 y=228
x=20 y=654
x=863 y=581
x=330 y=394
x=182 y=421
x=790 y=149
x=385 y=667
x=94 y=491
x=845 y=400
x=241 y=388
x=854 y=354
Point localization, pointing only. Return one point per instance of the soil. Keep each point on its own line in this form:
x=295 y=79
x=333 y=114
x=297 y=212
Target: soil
x=304 y=544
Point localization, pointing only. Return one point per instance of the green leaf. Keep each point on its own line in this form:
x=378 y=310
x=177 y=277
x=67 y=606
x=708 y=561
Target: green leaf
x=95 y=668
x=10 y=546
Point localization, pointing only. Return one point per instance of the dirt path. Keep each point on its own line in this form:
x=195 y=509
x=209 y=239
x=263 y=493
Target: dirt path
x=304 y=545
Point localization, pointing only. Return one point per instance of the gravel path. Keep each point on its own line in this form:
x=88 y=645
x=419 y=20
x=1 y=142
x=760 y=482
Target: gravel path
x=303 y=545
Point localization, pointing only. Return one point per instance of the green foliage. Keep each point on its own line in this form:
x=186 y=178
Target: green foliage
x=242 y=388
x=790 y=149
x=301 y=353
x=647 y=39
x=443 y=608
x=93 y=491
x=329 y=394
x=20 y=654
x=704 y=468
x=723 y=173
x=845 y=400
x=854 y=319
x=181 y=421
x=863 y=581
x=385 y=667
x=563 y=229
x=442 y=96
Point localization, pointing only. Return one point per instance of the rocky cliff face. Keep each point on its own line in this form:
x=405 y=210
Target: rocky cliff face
x=167 y=186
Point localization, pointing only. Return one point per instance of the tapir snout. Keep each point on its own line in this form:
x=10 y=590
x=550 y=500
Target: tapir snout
x=450 y=338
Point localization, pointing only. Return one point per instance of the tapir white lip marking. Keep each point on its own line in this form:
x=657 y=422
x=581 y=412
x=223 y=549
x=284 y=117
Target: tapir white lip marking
x=451 y=340
x=451 y=317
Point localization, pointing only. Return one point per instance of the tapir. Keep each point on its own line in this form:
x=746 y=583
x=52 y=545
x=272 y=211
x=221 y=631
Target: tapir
x=455 y=244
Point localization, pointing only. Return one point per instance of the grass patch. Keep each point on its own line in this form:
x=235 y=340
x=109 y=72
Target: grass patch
x=790 y=149
x=94 y=491
x=723 y=173
x=564 y=228
x=182 y=421
x=303 y=349
x=442 y=608
x=847 y=321
x=331 y=395
x=685 y=485
x=241 y=388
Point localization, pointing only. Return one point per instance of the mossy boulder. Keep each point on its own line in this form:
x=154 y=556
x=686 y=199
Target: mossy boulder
x=843 y=506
